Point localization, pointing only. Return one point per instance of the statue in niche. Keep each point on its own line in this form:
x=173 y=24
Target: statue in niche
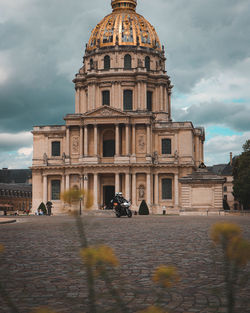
x=176 y=156
x=141 y=192
x=63 y=156
x=155 y=157
x=75 y=145
x=45 y=159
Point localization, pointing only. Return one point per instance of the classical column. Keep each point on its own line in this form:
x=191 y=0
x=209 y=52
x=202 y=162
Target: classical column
x=62 y=184
x=139 y=95
x=81 y=141
x=117 y=140
x=165 y=100
x=144 y=96
x=85 y=140
x=127 y=139
x=156 y=195
x=45 y=188
x=117 y=182
x=134 y=190
x=112 y=96
x=148 y=188
x=67 y=182
x=95 y=140
x=95 y=190
x=77 y=100
x=161 y=98
x=176 y=190
x=120 y=101
x=67 y=141
x=148 y=140
x=85 y=182
x=133 y=139
x=127 y=186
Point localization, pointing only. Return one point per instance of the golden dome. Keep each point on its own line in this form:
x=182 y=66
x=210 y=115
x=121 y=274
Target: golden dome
x=124 y=27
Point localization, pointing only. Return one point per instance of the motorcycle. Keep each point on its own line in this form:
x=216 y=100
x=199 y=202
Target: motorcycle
x=121 y=207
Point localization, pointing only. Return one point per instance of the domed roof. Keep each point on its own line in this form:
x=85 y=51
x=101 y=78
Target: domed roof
x=124 y=27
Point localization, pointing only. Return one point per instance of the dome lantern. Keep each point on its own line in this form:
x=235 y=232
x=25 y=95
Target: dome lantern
x=123 y=4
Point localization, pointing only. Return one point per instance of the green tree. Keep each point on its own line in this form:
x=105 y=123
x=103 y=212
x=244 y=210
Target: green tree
x=143 y=209
x=241 y=175
x=42 y=208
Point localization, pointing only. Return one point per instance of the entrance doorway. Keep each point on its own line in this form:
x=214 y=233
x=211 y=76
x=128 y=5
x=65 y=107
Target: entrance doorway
x=108 y=194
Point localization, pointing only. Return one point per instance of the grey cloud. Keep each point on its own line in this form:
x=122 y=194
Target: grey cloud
x=234 y=115
x=13 y=142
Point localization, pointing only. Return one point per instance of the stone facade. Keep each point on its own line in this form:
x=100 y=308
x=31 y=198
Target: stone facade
x=121 y=137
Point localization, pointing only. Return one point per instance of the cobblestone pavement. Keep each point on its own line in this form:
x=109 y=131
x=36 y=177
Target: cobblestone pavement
x=41 y=264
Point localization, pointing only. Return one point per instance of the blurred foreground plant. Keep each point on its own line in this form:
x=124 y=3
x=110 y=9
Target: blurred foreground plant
x=235 y=254
x=153 y=309
x=43 y=310
x=1 y=248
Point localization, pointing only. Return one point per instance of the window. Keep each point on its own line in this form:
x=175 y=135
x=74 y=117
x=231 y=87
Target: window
x=56 y=148
x=91 y=62
x=149 y=100
x=106 y=97
x=225 y=188
x=127 y=62
x=106 y=62
x=108 y=148
x=147 y=63
x=128 y=100
x=55 y=189
x=166 y=146
x=166 y=189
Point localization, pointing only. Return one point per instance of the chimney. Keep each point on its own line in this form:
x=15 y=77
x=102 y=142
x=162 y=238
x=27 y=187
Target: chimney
x=231 y=158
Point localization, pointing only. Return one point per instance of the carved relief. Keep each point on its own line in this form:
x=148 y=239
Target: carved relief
x=141 y=143
x=75 y=145
x=141 y=192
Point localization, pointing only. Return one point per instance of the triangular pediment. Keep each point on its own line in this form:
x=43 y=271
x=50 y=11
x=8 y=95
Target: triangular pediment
x=106 y=111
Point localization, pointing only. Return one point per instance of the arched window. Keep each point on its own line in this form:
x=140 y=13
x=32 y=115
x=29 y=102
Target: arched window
x=128 y=100
x=147 y=63
x=149 y=100
x=127 y=62
x=107 y=62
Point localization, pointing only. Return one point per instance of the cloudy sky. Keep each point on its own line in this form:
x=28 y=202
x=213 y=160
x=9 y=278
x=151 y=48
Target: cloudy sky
x=42 y=43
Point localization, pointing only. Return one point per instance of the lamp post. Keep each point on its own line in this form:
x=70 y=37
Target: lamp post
x=80 y=206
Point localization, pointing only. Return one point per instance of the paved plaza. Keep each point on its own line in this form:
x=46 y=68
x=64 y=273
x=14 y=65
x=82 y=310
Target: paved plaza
x=41 y=265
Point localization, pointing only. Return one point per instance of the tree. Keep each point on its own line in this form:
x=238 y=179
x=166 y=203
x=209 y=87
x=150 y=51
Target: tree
x=143 y=209
x=42 y=208
x=241 y=175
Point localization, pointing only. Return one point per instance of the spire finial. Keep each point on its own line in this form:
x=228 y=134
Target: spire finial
x=123 y=4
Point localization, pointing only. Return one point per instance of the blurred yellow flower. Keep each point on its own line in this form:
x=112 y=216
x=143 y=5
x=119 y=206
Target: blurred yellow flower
x=166 y=276
x=238 y=251
x=1 y=248
x=74 y=195
x=224 y=232
x=153 y=309
x=99 y=256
